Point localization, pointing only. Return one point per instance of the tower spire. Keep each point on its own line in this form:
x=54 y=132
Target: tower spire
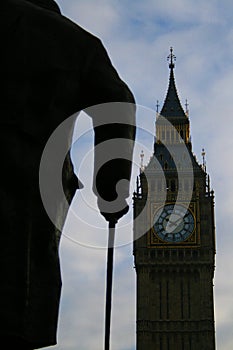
x=172 y=108
x=172 y=112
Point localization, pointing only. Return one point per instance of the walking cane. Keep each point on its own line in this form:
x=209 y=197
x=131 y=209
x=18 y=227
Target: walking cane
x=111 y=238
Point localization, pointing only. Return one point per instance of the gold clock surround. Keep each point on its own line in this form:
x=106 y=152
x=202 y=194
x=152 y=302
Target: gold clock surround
x=193 y=240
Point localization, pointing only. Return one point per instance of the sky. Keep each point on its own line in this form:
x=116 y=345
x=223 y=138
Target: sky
x=138 y=36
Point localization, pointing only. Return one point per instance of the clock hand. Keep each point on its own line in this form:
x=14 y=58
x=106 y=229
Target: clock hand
x=178 y=220
x=173 y=223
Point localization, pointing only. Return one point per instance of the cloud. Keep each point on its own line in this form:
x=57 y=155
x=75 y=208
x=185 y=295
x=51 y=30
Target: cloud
x=100 y=17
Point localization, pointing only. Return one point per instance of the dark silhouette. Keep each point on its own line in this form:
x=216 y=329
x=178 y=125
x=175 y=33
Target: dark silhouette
x=50 y=69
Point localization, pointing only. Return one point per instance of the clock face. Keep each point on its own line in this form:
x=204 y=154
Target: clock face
x=174 y=223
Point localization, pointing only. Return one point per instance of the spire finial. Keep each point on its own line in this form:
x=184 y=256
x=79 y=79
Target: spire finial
x=157 y=106
x=171 y=58
x=142 y=165
x=203 y=159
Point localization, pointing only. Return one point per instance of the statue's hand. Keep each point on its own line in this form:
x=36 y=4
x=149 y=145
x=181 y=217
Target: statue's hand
x=109 y=213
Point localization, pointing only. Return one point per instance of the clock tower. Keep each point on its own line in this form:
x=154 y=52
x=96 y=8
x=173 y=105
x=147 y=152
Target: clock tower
x=174 y=238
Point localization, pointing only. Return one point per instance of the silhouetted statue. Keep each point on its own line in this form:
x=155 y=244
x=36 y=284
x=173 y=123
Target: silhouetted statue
x=50 y=69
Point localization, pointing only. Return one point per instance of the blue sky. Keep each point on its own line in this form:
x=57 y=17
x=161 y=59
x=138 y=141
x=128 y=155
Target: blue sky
x=138 y=35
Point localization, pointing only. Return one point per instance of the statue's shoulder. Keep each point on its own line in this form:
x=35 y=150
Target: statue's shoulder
x=34 y=15
x=48 y=31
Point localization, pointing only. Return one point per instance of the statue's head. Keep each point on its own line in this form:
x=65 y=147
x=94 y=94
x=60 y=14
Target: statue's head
x=47 y=4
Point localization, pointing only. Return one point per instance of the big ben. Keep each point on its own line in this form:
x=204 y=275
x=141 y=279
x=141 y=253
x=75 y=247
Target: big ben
x=174 y=238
